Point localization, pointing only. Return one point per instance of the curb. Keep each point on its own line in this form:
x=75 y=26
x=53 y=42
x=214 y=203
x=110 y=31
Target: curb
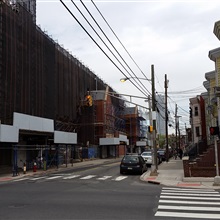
x=153 y=182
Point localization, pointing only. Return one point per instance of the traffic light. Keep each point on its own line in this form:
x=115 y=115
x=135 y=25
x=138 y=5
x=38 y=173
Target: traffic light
x=88 y=100
x=214 y=130
x=150 y=129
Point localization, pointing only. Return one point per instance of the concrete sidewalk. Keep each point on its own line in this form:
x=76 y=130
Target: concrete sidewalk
x=171 y=174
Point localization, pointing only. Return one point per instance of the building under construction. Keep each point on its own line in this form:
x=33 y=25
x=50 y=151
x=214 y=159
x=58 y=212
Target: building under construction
x=43 y=88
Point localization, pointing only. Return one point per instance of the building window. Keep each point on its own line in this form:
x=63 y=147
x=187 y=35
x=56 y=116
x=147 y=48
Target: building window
x=197 y=132
x=196 y=111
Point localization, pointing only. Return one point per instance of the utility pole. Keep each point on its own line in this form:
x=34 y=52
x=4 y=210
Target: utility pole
x=154 y=165
x=176 y=127
x=166 y=118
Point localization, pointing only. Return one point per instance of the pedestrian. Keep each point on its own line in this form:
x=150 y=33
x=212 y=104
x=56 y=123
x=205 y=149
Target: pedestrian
x=180 y=153
x=175 y=154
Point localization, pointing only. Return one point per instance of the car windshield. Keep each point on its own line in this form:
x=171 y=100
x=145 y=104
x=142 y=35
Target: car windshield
x=161 y=152
x=131 y=159
x=146 y=154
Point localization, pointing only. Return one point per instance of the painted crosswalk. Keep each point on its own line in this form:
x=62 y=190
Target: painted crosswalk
x=189 y=203
x=72 y=177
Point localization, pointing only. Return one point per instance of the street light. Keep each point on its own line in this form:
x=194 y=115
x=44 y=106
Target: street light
x=127 y=78
x=154 y=165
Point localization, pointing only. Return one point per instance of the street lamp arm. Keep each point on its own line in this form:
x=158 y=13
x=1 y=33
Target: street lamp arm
x=127 y=78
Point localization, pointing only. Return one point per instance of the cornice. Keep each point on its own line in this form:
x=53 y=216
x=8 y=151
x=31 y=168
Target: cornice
x=216 y=30
x=213 y=54
x=210 y=75
x=206 y=84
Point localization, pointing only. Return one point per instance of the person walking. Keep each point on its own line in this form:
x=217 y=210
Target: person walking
x=180 y=153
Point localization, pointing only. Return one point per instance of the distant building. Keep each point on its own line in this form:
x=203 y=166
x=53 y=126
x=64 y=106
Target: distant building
x=198 y=119
x=161 y=123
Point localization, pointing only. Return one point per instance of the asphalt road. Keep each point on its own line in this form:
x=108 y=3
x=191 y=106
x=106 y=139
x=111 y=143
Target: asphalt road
x=93 y=193
x=100 y=192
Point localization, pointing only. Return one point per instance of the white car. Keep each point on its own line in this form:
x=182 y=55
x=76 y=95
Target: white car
x=147 y=155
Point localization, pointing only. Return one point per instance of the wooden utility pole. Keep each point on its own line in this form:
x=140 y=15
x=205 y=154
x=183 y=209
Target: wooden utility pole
x=176 y=126
x=166 y=118
x=155 y=165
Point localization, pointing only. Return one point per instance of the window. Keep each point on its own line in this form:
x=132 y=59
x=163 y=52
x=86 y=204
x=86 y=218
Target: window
x=196 y=111
x=197 y=132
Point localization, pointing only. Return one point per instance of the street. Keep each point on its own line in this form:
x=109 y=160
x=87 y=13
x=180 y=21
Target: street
x=96 y=193
x=102 y=193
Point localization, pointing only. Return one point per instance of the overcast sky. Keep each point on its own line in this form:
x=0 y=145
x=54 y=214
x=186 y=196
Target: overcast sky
x=174 y=36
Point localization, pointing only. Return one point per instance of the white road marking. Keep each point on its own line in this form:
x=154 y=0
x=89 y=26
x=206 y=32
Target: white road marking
x=87 y=177
x=65 y=177
x=190 y=191
x=188 y=215
x=119 y=178
x=38 y=178
x=188 y=202
x=104 y=178
x=53 y=177
x=174 y=201
x=189 y=194
x=17 y=180
x=190 y=208
x=186 y=189
x=188 y=197
x=71 y=177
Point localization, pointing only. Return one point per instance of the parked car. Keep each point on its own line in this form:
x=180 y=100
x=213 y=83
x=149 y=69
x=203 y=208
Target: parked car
x=162 y=154
x=133 y=163
x=147 y=155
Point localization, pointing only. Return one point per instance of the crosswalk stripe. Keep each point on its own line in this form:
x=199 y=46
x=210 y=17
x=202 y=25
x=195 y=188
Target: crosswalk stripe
x=87 y=177
x=38 y=178
x=71 y=177
x=188 y=202
x=17 y=180
x=189 y=208
x=53 y=177
x=190 y=194
x=104 y=178
x=174 y=201
x=188 y=215
x=190 y=191
x=119 y=178
x=188 y=197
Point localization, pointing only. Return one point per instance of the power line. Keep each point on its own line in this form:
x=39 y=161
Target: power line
x=98 y=45
x=109 y=42
x=119 y=40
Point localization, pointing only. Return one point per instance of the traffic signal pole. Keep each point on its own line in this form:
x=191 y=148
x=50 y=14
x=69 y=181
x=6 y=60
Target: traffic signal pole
x=217 y=177
x=216 y=156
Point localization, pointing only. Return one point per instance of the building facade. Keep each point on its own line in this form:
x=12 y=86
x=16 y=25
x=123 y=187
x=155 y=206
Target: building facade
x=43 y=98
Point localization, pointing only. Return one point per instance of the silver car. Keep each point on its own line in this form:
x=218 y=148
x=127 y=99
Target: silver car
x=147 y=155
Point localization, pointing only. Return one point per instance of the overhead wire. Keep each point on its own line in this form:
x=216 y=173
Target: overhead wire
x=119 y=40
x=135 y=76
x=98 y=44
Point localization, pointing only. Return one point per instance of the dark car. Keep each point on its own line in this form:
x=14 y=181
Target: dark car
x=162 y=154
x=133 y=163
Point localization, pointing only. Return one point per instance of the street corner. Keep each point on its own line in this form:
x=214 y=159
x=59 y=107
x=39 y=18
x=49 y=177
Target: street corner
x=189 y=185
x=150 y=179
